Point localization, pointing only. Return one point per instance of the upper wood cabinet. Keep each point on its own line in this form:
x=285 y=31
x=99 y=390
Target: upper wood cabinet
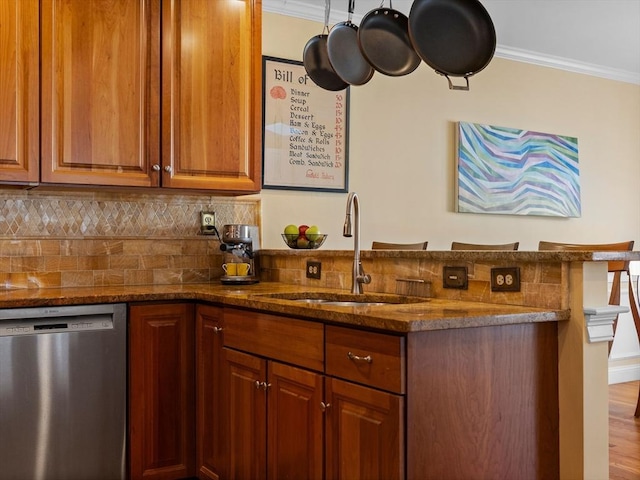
x=151 y=93
x=19 y=83
x=211 y=94
x=100 y=87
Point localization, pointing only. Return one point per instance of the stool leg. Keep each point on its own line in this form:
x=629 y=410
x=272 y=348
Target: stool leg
x=636 y=320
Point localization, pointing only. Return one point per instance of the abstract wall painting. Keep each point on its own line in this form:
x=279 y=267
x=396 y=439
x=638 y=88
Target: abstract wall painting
x=516 y=172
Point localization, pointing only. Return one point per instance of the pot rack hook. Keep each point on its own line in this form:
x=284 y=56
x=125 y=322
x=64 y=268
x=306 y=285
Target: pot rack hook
x=327 y=11
x=352 y=7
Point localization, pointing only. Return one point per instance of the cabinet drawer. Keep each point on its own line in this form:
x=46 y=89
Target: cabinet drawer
x=299 y=342
x=374 y=359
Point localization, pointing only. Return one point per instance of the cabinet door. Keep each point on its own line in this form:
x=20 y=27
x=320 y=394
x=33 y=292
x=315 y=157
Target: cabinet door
x=100 y=92
x=19 y=91
x=161 y=391
x=246 y=406
x=211 y=94
x=295 y=423
x=210 y=419
x=364 y=433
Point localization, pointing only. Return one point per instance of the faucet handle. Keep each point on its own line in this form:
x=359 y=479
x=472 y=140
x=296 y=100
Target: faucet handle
x=363 y=278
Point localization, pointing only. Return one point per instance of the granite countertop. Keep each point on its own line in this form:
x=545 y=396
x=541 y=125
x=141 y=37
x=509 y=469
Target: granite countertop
x=537 y=256
x=424 y=314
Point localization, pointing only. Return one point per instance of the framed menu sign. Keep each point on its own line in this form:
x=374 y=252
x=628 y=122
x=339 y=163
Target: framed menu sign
x=305 y=130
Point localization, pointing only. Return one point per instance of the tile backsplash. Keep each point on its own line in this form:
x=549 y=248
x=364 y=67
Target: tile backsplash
x=80 y=214
x=73 y=239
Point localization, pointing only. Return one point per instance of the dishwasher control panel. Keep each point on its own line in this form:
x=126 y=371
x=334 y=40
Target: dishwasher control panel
x=10 y=328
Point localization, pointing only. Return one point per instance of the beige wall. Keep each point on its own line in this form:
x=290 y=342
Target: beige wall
x=402 y=153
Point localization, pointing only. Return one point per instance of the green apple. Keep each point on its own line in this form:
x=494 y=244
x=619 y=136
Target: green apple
x=302 y=242
x=313 y=233
x=291 y=230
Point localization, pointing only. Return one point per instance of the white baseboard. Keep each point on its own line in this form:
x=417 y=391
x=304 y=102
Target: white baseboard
x=624 y=373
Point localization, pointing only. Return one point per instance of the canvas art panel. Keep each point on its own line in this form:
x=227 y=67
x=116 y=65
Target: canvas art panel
x=509 y=171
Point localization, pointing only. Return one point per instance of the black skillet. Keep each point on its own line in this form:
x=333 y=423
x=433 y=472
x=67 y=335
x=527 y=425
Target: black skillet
x=344 y=52
x=384 y=41
x=316 y=59
x=454 y=37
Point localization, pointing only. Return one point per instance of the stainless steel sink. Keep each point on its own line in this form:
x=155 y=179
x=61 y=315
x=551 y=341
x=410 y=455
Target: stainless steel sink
x=346 y=299
x=341 y=303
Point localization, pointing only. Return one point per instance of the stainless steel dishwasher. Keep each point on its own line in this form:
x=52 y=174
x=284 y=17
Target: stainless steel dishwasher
x=63 y=393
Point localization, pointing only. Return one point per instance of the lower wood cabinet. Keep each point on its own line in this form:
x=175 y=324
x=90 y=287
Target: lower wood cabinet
x=364 y=432
x=161 y=391
x=290 y=421
x=211 y=423
x=227 y=393
x=275 y=417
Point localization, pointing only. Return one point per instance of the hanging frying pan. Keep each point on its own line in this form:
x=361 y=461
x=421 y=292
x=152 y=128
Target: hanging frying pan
x=316 y=59
x=384 y=41
x=454 y=37
x=344 y=52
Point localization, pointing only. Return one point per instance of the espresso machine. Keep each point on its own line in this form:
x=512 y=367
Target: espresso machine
x=239 y=243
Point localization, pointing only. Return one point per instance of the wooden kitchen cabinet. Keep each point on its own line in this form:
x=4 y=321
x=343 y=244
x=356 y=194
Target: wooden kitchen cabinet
x=275 y=409
x=365 y=422
x=161 y=391
x=19 y=91
x=100 y=92
x=211 y=423
x=364 y=432
x=275 y=416
x=211 y=94
x=151 y=93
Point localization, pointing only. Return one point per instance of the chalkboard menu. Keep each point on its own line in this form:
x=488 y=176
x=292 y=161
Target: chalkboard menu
x=305 y=130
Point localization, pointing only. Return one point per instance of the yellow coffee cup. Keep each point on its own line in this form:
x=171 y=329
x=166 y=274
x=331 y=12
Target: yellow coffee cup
x=242 y=269
x=236 y=269
x=230 y=268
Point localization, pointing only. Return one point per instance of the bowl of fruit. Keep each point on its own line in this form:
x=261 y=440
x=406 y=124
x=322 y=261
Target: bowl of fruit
x=303 y=237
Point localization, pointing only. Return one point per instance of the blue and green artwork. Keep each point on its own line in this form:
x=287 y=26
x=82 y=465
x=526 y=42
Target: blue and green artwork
x=517 y=172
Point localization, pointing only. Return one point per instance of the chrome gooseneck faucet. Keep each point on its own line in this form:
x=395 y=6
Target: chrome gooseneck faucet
x=358 y=277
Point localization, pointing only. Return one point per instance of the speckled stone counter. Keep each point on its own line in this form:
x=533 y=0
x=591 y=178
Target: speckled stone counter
x=423 y=314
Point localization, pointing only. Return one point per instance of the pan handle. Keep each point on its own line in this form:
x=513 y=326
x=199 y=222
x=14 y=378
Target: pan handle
x=456 y=87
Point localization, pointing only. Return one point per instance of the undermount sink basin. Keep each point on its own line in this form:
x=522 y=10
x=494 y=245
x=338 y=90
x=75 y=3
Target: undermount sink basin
x=347 y=299
x=342 y=303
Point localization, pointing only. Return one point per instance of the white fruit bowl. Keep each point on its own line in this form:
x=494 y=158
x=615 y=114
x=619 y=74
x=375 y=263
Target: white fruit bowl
x=292 y=241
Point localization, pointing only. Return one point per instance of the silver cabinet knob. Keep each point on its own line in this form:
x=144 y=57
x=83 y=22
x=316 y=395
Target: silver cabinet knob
x=156 y=167
x=167 y=169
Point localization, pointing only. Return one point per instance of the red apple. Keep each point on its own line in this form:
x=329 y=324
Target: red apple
x=302 y=230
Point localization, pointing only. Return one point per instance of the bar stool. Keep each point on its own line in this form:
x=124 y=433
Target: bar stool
x=480 y=246
x=399 y=246
x=616 y=267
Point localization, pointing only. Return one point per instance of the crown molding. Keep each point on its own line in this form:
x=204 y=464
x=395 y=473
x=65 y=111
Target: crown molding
x=535 y=58
x=315 y=13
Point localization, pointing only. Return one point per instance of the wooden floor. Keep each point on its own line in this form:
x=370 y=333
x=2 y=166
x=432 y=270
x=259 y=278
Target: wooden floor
x=624 y=432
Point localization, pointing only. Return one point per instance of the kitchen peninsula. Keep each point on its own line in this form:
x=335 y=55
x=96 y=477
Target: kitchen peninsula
x=499 y=380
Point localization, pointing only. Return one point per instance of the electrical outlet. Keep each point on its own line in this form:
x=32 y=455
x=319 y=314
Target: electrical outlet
x=455 y=277
x=314 y=269
x=207 y=223
x=505 y=279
